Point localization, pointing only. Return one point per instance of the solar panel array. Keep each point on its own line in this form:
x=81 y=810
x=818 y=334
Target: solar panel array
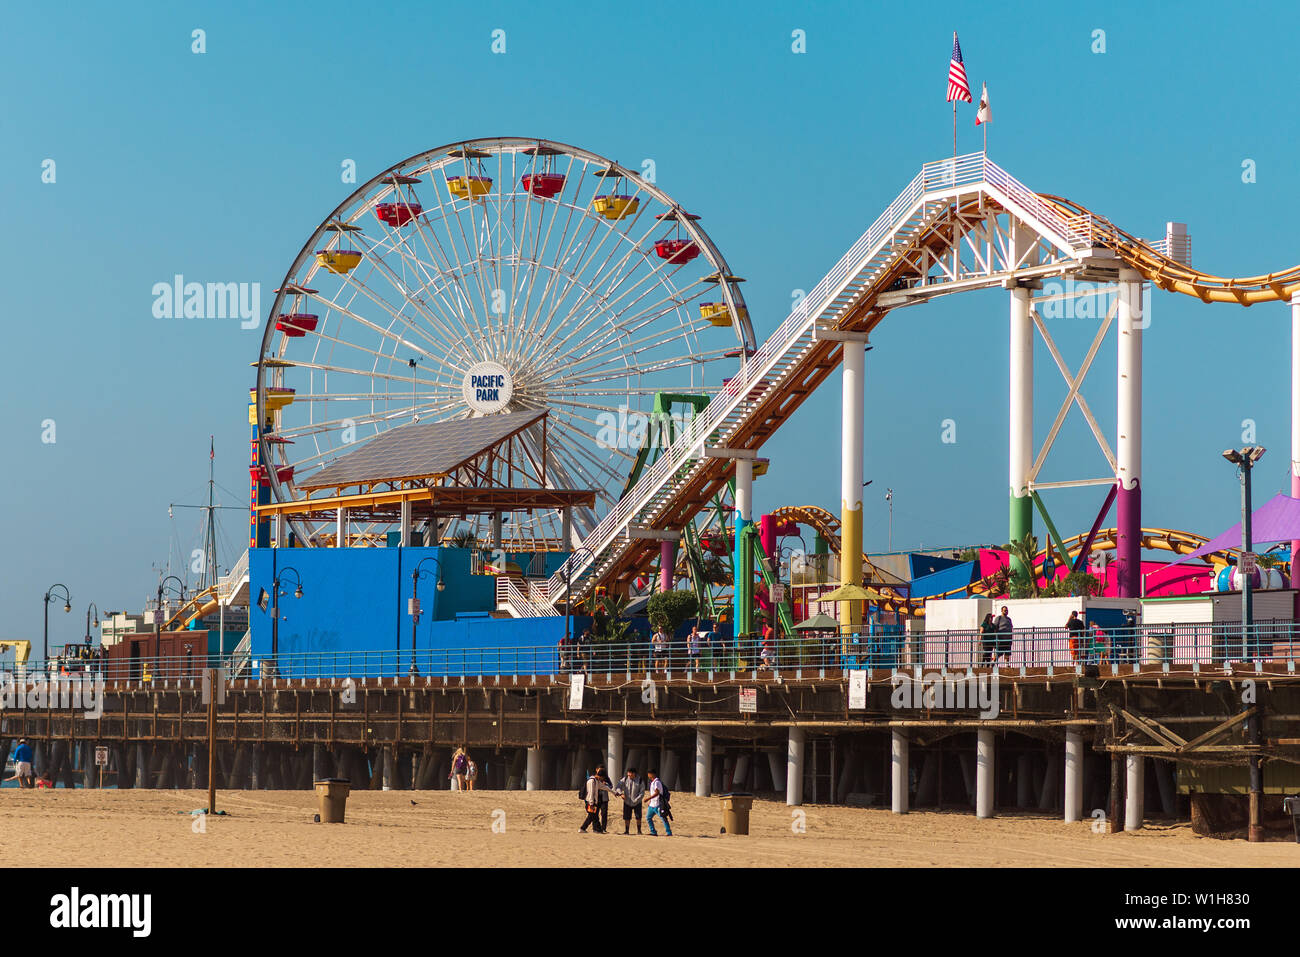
x=419 y=449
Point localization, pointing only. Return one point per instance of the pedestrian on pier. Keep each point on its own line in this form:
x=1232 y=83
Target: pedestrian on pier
x=693 y=647
x=632 y=791
x=989 y=639
x=659 y=645
x=1005 y=633
x=1076 y=628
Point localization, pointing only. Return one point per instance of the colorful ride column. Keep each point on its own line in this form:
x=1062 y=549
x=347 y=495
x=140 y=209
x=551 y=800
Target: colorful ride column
x=667 y=564
x=1295 y=424
x=742 y=590
x=1021 y=448
x=1128 y=446
x=851 y=429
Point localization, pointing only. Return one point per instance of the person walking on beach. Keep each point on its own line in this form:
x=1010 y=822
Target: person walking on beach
x=658 y=804
x=603 y=803
x=459 y=767
x=591 y=801
x=988 y=639
x=471 y=771
x=1004 y=626
x=631 y=790
x=23 y=765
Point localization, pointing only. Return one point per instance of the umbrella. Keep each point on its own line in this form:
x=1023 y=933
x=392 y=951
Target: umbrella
x=818 y=622
x=849 y=592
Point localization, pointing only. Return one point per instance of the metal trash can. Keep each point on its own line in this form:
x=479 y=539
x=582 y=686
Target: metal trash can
x=332 y=794
x=1291 y=806
x=735 y=812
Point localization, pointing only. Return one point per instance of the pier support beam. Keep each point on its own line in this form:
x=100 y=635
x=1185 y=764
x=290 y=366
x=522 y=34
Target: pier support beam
x=851 y=432
x=1134 y=791
x=1020 y=520
x=703 y=762
x=389 y=769
x=614 y=753
x=341 y=528
x=1295 y=425
x=898 y=772
x=405 y=522
x=794 y=768
x=533 y=771
x=321 y=765
x=984 y=772
x=1128 y=438
x=1073 y=776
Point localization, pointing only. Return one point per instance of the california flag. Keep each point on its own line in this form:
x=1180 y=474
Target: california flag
x=985 y=115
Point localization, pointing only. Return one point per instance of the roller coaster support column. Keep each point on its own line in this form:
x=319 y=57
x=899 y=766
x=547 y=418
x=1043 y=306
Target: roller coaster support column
x=851 y=429
x=742 y=617
x=1295 y=425
x=667 y=564
x=1021 y=458
x=1128 y=446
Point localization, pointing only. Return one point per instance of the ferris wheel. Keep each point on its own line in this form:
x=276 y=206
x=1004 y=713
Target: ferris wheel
x=562 y=280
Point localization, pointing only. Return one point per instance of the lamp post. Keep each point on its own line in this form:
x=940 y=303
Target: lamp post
x=1245 y=459
x=276 y=593
x=67 y=607
x=414 y=607
x=160 y=616
x=889 y=497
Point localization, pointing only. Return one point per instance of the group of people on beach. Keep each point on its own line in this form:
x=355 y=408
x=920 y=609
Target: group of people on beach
x=652 y=793
x=23 y=765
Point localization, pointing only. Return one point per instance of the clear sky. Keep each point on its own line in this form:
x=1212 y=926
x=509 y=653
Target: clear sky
x=220 y=165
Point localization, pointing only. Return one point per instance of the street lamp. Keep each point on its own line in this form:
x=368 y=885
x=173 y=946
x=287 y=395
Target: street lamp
x=160 y=616
x=67 y=607
x=889 y=497
x=1245 y=460
x=276 y=593
x=414 y=608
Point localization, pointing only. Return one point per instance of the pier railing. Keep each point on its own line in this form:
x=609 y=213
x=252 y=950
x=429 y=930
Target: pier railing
x=1181 y=648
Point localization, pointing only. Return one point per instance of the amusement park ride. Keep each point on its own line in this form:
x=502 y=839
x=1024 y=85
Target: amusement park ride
x=510 y=275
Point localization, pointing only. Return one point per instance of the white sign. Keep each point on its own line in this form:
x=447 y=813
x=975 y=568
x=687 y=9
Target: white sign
x=857 y=690
x=101 y=757
x=577 y=683
x=749 y=701
x=1248 y=563
x=778 y=593
x=221 y=687
x=487 y=387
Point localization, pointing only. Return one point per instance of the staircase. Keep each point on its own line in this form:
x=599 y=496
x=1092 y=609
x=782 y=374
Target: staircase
x=788 y=354
x=241 y=656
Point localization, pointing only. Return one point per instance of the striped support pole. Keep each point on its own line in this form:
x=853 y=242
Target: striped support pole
x=1295 y=425
x=851 y=430
x=743 y=587
x=1128 y=449
x=1021 y=448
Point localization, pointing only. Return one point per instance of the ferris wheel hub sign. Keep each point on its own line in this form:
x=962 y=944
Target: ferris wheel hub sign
x=487 y=387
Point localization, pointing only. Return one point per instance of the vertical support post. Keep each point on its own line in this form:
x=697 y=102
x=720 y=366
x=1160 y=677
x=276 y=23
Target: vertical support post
x=898 y=755
x=1128 y=444
x=743 y=588
x=984 y=772
x=1073 y=776
x=566 y=528
x=533 y=771
x=667 y=565
x=851 y=430
x=1020 y=520
x=341 y=528
x=212 y=743
x=1295 y=425
x=703 y=762
x=1134 y=791
x=406 y=523
x=496 y=529
x=794 y=753
x=614 y=753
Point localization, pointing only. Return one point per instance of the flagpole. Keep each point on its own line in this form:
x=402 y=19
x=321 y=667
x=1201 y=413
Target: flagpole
x=954 y=129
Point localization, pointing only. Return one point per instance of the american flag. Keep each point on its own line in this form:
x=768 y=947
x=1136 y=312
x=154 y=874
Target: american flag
x=958 y=88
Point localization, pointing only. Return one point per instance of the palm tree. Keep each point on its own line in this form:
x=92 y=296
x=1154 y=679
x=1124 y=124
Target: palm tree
x=1022 y=554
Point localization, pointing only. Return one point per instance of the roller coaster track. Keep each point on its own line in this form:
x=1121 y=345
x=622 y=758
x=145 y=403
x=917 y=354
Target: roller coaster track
x=950 y=210
x=827 y=526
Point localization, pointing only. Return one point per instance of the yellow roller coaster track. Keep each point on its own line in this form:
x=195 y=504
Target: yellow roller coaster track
x=828 y=526
x=1171 y=275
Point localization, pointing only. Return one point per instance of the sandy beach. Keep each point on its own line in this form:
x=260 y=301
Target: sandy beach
x=522 y=829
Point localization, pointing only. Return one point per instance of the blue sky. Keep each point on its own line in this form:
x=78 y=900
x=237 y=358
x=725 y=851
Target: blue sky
x=219 y=166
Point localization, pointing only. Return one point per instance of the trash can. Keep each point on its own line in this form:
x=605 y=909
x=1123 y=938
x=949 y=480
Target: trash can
x=735 y=812
x=332 y=793
x=1291 y=806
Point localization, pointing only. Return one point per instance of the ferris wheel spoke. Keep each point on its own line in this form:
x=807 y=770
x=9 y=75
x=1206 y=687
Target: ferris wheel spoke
x=545 y=241
x=451 y=382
